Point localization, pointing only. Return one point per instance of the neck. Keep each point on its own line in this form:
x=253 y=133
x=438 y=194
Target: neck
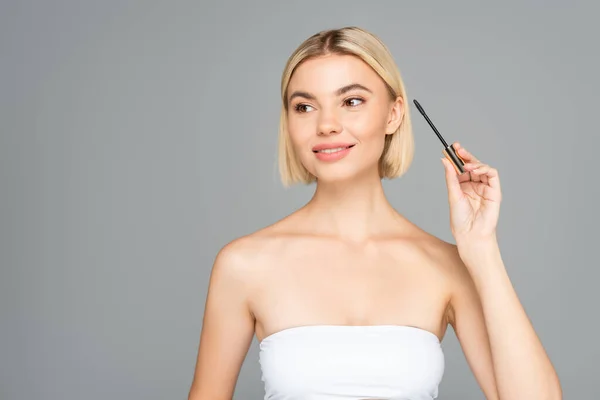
x=353 y=210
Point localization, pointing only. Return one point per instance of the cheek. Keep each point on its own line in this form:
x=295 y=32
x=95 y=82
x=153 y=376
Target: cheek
x=367 y=128
x=299 y=133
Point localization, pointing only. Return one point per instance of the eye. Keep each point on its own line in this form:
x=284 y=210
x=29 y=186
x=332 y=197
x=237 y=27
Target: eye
x=301 y=108
x=354 y=100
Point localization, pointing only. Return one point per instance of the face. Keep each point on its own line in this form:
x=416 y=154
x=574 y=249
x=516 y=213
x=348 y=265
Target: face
x=339 y=113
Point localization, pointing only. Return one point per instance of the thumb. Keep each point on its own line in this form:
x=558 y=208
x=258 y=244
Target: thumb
x=452 y=184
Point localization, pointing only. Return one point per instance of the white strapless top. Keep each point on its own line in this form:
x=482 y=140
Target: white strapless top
x=351 y=362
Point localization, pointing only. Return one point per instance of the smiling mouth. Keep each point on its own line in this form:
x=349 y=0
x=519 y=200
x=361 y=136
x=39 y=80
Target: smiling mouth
x=333 y=150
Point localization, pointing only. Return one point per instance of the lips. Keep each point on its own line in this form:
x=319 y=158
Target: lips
x=332 y=152
x=329 y=147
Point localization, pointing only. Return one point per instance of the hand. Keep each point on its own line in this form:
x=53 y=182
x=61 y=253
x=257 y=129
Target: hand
x=474 y=198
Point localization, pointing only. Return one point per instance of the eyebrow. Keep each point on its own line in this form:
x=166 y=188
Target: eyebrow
x=338 y=92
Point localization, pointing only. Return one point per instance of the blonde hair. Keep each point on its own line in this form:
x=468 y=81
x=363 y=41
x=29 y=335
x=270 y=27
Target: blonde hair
x=399 y=147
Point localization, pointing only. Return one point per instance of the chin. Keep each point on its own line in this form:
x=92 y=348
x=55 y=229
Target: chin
x=332 y=174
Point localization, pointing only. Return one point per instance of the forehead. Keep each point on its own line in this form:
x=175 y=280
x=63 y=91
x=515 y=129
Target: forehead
x=326 y=74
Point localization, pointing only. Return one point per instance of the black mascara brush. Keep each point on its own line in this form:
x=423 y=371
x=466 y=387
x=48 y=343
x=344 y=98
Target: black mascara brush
x=449 y=151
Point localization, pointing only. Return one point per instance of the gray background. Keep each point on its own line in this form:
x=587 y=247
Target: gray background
x=137 y=138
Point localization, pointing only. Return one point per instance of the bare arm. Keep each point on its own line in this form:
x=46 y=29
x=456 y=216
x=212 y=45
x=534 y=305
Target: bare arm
x=522 y=369
x=227 y=328
x=466 y=317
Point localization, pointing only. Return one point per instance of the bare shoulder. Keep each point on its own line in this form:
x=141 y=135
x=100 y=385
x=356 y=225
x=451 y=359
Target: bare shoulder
x=448 y=258
x=439 y=252
x=229 y=322
x=238 y=255
x=445 y=258
x=243 y=256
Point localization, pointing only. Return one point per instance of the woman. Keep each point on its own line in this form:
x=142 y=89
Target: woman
x=347 y=298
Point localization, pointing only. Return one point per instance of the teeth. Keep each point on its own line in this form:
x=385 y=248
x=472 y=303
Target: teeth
x=332 y=150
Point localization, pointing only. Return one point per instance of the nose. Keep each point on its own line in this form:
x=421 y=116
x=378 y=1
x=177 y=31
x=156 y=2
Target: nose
x=329 y=124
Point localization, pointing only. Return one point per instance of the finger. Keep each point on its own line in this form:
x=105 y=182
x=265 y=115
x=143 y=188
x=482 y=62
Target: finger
x=470 y=167
x=482 y=169
x=466 y=177
x=464 y=153
x=452 y=183
x=493 y=178
x=488 y=175
x=480 y=173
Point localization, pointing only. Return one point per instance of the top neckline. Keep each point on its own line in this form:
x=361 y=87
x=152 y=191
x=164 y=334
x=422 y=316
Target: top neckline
x=349 y=327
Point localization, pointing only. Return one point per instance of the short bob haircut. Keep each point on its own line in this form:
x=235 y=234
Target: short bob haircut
x=399 y=147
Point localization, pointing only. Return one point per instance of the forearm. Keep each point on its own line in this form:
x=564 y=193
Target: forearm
x=522 y=367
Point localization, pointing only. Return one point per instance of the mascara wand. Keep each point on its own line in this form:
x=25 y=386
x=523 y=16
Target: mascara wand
x=449 y=151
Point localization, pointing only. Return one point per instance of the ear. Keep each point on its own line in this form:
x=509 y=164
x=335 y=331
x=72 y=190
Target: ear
x=395 y=116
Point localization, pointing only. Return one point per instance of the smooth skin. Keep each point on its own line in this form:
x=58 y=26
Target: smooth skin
x=349 y=258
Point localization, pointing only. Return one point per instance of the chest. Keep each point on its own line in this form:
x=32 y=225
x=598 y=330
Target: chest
x=346 y=286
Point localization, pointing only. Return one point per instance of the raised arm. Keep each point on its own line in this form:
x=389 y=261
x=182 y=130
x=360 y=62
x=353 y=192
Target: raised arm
x=488 y=303
x=468 y=321
x=497 y=338
x=227 y=328
x=521 y=366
